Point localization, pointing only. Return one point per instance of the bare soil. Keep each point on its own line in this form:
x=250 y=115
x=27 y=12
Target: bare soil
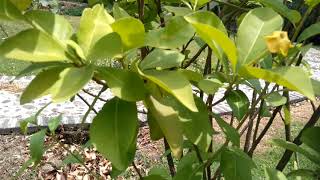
x=14 y=152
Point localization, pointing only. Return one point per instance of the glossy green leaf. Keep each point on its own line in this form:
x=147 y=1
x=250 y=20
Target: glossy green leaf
x=239 y=103
x=70 y=82
x=311 y=138
x=265 y=110
x=257 y=24
x=131 y=31
x=163 y=59
x=292 y=15
x=155 y=130
x=9 y=11
x=114 y=131
x=196 y=126
x=37 y=145
x=310 y=31
x=61 y=83
x=169 y=123
x=207 y=17
x=215 y=38
x=192 y=76
x=174 y=83
x=123 y=83
x=210 y=85
x=21 y=4
x=230 y=132
x=275 y=99
x=41 y=85
x=294 y=78
x=316 y=86
x=273 y=174
x=54 y=123
x=176 y=33
x=109 y=46
x=50 y=23
x=236 y=164
x=40 y=47
x=118 y=12
x=189 y=168
x=178 y=11
x=94 y=24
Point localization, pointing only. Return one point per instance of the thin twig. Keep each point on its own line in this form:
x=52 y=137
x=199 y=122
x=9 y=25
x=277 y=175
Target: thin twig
x=93 y=95
x=86 y=102
x=92 y=105
x=172 y=169
x=137 y=170
x=195 y=57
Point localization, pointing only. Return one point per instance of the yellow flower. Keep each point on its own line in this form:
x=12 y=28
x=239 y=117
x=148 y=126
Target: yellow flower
x=279 y=42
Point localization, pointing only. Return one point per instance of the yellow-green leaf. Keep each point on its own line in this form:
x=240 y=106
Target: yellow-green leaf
x=131 y=31
x=8 y=11
x=21 y=4
x=294 y=78
x=94 y=24
x=33 y=45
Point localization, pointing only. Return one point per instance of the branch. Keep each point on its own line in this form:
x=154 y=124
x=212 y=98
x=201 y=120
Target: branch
x=194 y=58
x=287 y=154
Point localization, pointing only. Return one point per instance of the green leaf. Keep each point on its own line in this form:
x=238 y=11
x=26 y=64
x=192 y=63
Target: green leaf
x=189 y=168
x=196 y=126
x=72 y=159
x=118 y=12
x=24 y=123
x=169 y=123
x=37 y=145
x=164 y=59
x=310 y=31
x=50 y=23
x=214 y=37
x=54 y=123
x=293 y=147
x=207 y=17
x=123 y=83
x=159 y=171
x=311 y=137
x=155 y=130
x=294 y=78
x=231 y=133
x=94 y=24
x=21 y=4
x=71 y=81
x=312 y=3
x=9 y=11
x=154 y=177
x=178 y=11
x=61 y=83
x=275 y=99
x=292 y=15
x=118 y=122
x=273 y=174
x=40 y=47
x=265 y=110
x=236 y=164
x=198 y=3
x=109 y=46
x=210 y=85
x=174 y=83
x=304 y=173
x=239 y=103
x=41 y=85
x=193 y=77
x=131 y=31
x=257 y=24
x=316 y=86
x=176 y=33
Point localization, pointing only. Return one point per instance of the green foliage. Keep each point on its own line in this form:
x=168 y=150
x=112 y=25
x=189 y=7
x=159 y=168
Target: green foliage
x=121 y=128
x=153 y=61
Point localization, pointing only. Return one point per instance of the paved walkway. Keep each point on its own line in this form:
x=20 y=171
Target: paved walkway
x=11 y=112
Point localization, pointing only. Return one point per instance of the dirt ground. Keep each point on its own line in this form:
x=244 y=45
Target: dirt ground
x=14 y=152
